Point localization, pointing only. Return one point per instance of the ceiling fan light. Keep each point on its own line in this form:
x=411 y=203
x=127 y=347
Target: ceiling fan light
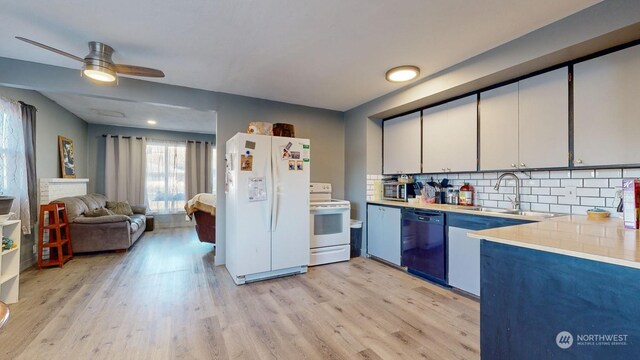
x=99 y=73
x=403 y=73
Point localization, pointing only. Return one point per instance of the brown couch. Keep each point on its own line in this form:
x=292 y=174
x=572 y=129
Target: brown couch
x=112 y=232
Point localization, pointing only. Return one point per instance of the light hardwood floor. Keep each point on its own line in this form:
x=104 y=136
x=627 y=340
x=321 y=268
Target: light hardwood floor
x=164 y=299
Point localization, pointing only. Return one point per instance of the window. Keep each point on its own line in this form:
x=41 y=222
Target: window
x=166 y=176
x=13 y=167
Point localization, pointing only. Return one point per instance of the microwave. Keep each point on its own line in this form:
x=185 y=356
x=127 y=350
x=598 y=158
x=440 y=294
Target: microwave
x=397 y=191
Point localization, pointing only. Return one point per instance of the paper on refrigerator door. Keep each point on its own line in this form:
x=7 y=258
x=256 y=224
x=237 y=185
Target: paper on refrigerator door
x=257 y=189
x=305 y=152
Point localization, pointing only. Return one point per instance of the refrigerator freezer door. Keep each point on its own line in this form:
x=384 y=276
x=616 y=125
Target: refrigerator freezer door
x=249 y=238
x=290 y=217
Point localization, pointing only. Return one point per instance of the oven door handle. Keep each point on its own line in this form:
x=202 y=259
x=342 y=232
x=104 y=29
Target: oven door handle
x=335 y=210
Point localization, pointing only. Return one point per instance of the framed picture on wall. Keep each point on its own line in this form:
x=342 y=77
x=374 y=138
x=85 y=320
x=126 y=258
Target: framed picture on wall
x=67 y=162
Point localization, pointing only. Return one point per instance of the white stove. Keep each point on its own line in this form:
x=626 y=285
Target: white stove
x=330 y=203
x=329 y=228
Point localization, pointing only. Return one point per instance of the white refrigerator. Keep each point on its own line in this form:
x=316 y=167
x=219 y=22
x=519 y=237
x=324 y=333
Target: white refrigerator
x=267 y=206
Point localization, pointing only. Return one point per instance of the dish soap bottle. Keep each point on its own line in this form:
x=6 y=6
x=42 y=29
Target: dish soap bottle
x=465 y=197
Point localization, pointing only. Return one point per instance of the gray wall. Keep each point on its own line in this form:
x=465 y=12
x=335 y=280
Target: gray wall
x=325 y=129
x=96 y=146
x=364 y=131
x=51 y=121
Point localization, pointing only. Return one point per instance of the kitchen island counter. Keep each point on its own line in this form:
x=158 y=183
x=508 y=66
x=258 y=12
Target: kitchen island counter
x=604 y=240
x=547 y=286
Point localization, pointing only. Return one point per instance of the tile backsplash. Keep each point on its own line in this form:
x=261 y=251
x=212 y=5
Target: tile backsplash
x=371 y=186
x=561 y=191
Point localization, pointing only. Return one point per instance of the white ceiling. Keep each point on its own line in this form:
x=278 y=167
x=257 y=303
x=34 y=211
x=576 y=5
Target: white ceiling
x=137 y=114
x=324 y=53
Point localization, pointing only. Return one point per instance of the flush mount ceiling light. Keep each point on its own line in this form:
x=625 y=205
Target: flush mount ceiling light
x=403 y=73
x=99 y=73
x=151 y=122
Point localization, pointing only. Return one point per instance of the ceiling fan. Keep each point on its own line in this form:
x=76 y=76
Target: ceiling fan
x=98 y=64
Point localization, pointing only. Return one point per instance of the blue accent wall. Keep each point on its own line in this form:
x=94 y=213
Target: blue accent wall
x=529 y=296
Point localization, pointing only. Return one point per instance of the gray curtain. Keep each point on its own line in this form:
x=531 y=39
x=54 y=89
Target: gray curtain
x=29 y=132
x=125 y=169
x=198 y=174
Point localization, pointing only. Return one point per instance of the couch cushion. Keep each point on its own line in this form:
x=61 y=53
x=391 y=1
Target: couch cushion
x=100 y=199
x=75 y=206
x=137 y=221
x=92 y=204
x=134 y=227
x=98 y=212
x=120 y=207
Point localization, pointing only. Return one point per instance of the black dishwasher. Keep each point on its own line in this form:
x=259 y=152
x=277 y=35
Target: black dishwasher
x=424 y=247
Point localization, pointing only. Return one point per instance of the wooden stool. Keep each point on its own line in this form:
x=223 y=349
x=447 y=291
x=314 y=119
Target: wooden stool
x=59 y=244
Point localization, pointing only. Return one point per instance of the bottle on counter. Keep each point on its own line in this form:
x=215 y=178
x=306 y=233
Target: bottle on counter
x=465 y=196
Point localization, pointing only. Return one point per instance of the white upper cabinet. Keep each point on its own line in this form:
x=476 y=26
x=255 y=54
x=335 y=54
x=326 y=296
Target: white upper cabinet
x=435 y=132
x=607 y=109
x=401 y=145
x=544 y=120
x=499 y=128
x=525 y=125
x=450 y=136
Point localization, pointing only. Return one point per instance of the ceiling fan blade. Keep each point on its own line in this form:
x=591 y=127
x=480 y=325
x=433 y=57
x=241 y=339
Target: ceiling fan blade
x=138 y=71
x=63 y=53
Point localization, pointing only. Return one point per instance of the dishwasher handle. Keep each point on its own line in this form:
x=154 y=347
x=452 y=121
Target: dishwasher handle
x=423 y=216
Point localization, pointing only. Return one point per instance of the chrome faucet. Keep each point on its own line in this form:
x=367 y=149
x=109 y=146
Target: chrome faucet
x=515 y=203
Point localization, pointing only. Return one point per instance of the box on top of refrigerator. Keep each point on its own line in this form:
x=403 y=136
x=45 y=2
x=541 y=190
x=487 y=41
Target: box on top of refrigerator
x=631 y=202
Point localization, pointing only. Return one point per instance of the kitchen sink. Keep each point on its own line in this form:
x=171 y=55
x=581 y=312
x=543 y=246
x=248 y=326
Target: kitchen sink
x=532 y=213
x=491 y=210
x=514 y=212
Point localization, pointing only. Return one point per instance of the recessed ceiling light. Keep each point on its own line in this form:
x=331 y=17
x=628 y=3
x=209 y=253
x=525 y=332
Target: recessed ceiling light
x=151 y=122
x=403 y=73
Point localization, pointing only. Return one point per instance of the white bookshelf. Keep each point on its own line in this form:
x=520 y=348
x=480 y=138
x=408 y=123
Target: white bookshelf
x=10 y=263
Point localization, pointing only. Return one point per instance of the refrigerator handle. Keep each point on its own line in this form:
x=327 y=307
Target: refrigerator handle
x=275 y=195
x=269 y=202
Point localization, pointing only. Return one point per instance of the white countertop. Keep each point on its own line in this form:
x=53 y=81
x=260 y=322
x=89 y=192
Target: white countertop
x=454 y=208
x=604 y=240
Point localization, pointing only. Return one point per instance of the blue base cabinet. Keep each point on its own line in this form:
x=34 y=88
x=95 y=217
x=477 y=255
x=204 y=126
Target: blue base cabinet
x=540 y=305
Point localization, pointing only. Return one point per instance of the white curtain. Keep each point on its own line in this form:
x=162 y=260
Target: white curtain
x=13 y=165
x=125 y=169
x=198 y=171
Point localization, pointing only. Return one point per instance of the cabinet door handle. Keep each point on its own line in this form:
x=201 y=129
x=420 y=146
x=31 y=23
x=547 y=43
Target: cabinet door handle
x=513 y=165
x=578 y=161
x=523 y=165
x=442 y=169
x=448 y=169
